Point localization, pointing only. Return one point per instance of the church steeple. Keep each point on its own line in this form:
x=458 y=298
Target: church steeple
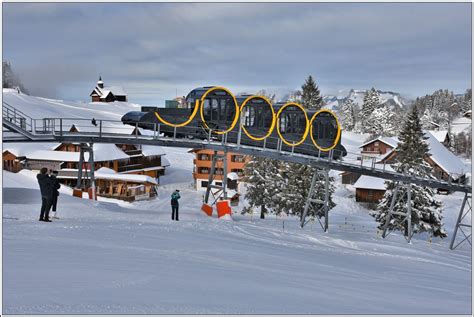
x=100 y=83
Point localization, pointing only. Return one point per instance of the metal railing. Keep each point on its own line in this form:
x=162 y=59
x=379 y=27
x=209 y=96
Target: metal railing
x=108 y=131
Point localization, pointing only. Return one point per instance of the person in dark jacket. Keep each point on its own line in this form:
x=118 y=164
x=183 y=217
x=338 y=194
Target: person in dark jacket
x=57 y=185
x=175 y=205
x=46 y=185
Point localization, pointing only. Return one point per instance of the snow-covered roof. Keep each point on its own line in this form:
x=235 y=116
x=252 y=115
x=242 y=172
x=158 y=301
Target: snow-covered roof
x=233 y=176
x=12 y=151
x=107 y=173
x=444 y=158
x=146 y=169
x=55 y=156
x=231 y=193
x=102 y=152
x=391 y=141
x=116 y=90
x=165 y=162
x=103 y=92
x=439 y=135
x=462 y=124
x=370 y=182
x=106 y=152
x=152 y=150
x=441 y=156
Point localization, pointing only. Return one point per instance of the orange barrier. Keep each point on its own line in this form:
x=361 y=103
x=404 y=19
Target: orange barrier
x=77 y=192
x=207 y=209
x=223 y=208
x=90 y=192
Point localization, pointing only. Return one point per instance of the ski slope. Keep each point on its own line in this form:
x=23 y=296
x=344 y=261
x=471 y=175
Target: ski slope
x=113 y=257
x=130 y=258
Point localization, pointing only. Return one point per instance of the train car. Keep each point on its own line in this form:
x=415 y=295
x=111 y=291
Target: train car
x=220 y=111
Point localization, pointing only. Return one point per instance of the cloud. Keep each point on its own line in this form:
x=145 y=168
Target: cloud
x=152 y=49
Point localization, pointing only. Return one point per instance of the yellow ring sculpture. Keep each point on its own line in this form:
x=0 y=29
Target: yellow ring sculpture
x=338 y=135
x=275 y=119
x=272 y=126
x=174 y=125
x=305 y=134
x=236 y=115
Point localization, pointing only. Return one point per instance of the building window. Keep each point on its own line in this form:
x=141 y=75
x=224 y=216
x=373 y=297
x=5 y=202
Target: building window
x=237 y=158
x=204 y=183
x=371 y=193
x=203 y=170
x=218 y=183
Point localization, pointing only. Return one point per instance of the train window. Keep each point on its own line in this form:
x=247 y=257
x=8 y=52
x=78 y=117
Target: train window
x=215 y=109
x=283 y=123
x=249 y=116
x=207 y=108
x=301 y=123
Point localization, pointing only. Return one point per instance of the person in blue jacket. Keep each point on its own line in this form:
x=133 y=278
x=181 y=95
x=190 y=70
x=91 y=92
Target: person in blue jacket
x=175 y=205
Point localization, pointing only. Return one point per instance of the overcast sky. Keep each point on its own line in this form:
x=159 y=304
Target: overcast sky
x=154 y=49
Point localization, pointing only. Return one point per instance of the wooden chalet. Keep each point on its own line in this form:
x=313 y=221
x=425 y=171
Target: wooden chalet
x=11 y=162
x=131 y=171
x=369 y=189
x=445 y=164
x=103 y=93
x=378 y=146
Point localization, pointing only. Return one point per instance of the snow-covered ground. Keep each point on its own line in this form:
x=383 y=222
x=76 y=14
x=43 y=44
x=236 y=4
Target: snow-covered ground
x=115 y=257
x=101 y=257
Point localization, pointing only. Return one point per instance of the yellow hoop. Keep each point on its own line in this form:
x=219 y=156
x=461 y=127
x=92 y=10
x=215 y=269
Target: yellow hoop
x=236 y=116
x=305 y=134
x=196 y=107
x=272 y=126
x=338 y=136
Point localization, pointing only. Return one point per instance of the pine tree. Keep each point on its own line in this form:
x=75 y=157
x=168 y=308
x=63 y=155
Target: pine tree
x=257 y=175
x=426 y=215
x=371 y=102
x=467 y=101
x=381 y=122
x=297 y=187
x=347 y=116
x=311 y=97
x=10 y=78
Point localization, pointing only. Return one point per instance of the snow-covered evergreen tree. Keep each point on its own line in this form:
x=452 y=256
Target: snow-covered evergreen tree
x=260 y=181
x=426 y=215
x=467 y=101
x=264 y=93
x=295 y=96
x=382 y=122
x=347 y=115
x=296 y=190
x=438 y=108
x=311 y=97
x=371 y=102
x=10 y=78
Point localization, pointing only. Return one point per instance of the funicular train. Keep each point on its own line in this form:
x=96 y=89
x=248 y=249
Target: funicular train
x=215 y=111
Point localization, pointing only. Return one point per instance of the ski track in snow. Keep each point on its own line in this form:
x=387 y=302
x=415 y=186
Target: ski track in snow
x=111 y=257
x=103 y=257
